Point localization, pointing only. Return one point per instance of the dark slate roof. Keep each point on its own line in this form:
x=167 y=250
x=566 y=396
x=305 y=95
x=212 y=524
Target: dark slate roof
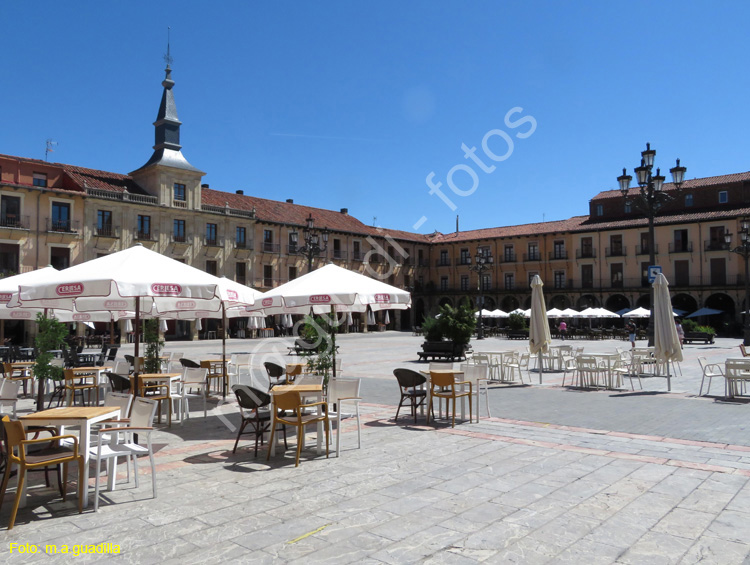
x=688 y=184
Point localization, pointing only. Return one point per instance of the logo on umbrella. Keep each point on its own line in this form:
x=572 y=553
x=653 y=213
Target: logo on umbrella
x=115 y=304
x=71 y=289
x=20 y=314
x=267 y=301
x=5 y=296
x=382 y=298
x=185 y=304
x=81 y=317
x=166 y=289
x=232 y=294
x=320 y=299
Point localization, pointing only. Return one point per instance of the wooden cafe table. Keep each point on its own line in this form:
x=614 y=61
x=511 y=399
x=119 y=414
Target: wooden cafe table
x=138 y=381
x=217 y=368
x=82 y=417
x=306 y=387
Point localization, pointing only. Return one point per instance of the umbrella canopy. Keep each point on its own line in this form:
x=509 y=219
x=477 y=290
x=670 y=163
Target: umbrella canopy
x=639 y=312
x=554 y=313
x=333 y=286
x=539 y=336
x=704 y=312
x=486 y=314
x=570 y=313
x=524 y=313
x=499 y=314
x=9 y=293
x=666 y=341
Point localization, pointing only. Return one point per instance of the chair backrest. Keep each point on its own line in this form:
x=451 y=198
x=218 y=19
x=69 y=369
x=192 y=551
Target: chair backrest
x=287 y=400
x=250 y=398
x=343 y=388
x=120 y=400
x=189 y=363
x=9 y=389
x=442 y=379
x=409 y=379
x=14 y=434
x=176 y=355
x=586 y=362
x=474 y=373
x=112 y=355
x=481 y=359
x=194 y=376
x=440 y=366
x=143 y=411
x=119 y=383
x=122 y=367
x=274 y=371
x=702 y=363
x=744 y=351
x=240 y=359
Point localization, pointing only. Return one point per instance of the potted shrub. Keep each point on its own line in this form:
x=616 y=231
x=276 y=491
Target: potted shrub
x=317 y=332
x=50 y=335
x=458 y=325
x=151 y=359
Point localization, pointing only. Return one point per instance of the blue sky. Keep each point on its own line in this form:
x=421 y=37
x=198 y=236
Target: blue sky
x=353 y=104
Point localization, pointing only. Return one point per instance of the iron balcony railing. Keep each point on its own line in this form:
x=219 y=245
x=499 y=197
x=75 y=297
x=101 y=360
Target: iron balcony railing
x=644 y=249
x=243 y=244
x=715 y=245
x=616 y=251
x=586 y=253
x=681 y=247
x=271 y=247
x=144 y=235
x=62 y=226
x=443 y=262
x=14 y=222
x=558 y=254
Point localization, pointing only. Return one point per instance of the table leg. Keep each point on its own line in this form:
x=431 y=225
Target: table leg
x=84 y=444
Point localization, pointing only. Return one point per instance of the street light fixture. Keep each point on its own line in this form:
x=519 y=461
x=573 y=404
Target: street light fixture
x=312 y=237
x=743 y=249
x=484 y=261
x=649 y=200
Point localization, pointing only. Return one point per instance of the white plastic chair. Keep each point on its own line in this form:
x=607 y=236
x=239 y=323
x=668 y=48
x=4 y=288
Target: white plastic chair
x=194 y=384
x=9 y=394
x=710 y=371
x=340 y=391
x=517 y=362
x=238 y=366
x=479 y=376
x=141 y=422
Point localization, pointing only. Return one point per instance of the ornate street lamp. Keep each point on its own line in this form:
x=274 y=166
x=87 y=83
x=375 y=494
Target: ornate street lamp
x=312 y=237
x=483 y=262
x=649 y=200
x=743 y=249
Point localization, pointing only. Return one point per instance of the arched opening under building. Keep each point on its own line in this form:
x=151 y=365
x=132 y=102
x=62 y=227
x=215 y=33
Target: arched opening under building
x=509 y=304
x=617 y=302
x=559 y=301
x=644 y=301
x=587 y=301
x=418 y=308
x=721 y=322
x=684 y=302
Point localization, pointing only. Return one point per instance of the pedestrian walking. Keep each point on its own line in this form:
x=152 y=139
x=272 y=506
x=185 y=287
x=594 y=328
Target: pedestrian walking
x=680 y=331
x=563 y=328
x=631 y=333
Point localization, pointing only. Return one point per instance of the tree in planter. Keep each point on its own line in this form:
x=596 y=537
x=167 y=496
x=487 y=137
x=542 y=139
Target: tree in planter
x=50 y=335
x=151 y=360
x=317 y=332
x=431 y=329
x=516 y=322
x=457 y=324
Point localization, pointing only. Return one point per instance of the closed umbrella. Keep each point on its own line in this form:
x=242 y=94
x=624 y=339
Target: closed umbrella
x=198 y=324
x=163 y=327
x=370 y=318
x=666 y=341
x=349 y=319
x=129 y=326
x=539 y=336
x=387 y=319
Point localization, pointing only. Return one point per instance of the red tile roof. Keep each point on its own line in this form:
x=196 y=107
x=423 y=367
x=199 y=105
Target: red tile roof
x=511 y=231
x=692 y=183
x=102 y=180
x=666 y=219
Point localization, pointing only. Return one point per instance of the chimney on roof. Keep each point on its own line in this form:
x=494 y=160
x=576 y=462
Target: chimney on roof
x=204 y=186
x=289 y=201
x=345 y=210
x=456 y=223
x=240 y=192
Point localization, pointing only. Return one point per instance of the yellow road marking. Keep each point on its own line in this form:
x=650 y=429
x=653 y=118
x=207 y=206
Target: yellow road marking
x=308 y=534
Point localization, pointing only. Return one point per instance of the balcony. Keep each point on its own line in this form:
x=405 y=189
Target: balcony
x=533 y=256
x=586 y=253
x=292 y=248
x=180 y=238
x=644 y=249
x=267 y=247
x=14 y=222
x=179 y=203
x=616 y=251
x=715 y=245
x=681 y=247
x=423 y=263
x=339 y=255
x=107 y=231
x=558 y=254
x=213 y=241
x=62 y=226
x=243 y=244
x=464 y=261
x=443 y=262
x=144 y=235
x=508 y=257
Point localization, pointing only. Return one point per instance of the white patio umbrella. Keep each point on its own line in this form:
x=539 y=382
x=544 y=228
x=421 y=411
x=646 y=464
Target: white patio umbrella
x=370 y=318
x=639 y=312
x=163 y=327
x=554 y=313
x=666 y=341
x=539 y=336
x=570 y=313
x=333 y=289
x=499 y=314
x=604 y=313
x=135 y=279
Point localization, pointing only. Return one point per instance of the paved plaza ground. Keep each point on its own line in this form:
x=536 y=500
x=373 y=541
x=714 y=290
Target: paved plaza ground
x=556 y=475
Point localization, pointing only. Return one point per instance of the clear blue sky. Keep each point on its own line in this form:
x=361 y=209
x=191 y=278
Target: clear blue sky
x=347 y=104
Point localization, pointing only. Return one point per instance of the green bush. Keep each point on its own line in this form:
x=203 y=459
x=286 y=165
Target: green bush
x=517 y=322
x=689 y=325
x=50 y=335
x=151 y=359
x=431 y=329
x=457 y=324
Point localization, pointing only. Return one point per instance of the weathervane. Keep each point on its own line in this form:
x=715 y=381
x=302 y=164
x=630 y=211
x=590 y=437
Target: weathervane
x=167 y=57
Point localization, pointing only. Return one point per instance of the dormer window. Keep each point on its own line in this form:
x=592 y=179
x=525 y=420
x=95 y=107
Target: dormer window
x=179 y=192
x=40 y=179
x=599 y=209
x=688 y=200
x=723 y=197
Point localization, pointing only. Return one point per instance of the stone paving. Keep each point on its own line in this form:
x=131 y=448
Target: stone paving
x=513 y=488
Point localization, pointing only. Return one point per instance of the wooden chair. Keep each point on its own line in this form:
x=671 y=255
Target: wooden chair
x=443 y=385
x=78 y=384
x=22 y=375
x=744 y=354
x=292 y=402
x=17 y=454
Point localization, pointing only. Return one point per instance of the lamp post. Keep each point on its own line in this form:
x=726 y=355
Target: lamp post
x=312 y=237
x=483 y=262
x=743 y=249
x=650 y=199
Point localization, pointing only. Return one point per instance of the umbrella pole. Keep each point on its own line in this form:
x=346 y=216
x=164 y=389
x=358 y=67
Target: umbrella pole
x=224 y=351
x=333 y=341
x=111 y=331
x=136 y=334
x=541 y=366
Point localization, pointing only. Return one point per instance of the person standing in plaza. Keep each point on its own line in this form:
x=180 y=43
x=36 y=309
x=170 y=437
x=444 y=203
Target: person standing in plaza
x=680 y=331
x=563 y=327
x=631 y=333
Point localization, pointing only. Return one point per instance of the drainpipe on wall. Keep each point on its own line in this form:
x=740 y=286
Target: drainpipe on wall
x=38 y=204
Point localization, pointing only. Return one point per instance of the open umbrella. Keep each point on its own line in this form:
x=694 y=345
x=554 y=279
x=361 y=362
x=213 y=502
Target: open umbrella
x=333 y=289
x=554 y=313
x=499 y=314
x=666 y=341
x=539 y=336
x=639 y=312
x=704 y=312
x=570 y=313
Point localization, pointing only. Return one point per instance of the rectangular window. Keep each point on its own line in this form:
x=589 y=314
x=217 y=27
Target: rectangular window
x=681 y=273
x=486 y=282
x=144 y=227
x=628 y=207
x=444 y=261
x=681 y=241
x=464 y=282
x=509 y=254
x=688 y=200
x=443 y=283
x=465 y=257
x=716 y=239
x=40 y=179
x=60 y=216
x=104 y=223
x=615 y=245
x=599 y=209
x=723 y=197
x=718 y=266
x=616 y=275
x=10 y=211
x=212 y=267
x=179 y=231
x=268 y=276
x=292 y=242
x=179 y=192
x=420 y=258
x=559 y=279
x=587 y=247
x=533 y=251
x=644 y=247
x=292 y=273
x=587 y=276
x=510 y=281
x=240 y=273
x=558 y=249
x=9 y=259
x=59 y=257
x=240 y=237
x=356 y=251
x=337 y=254
x=211 y=235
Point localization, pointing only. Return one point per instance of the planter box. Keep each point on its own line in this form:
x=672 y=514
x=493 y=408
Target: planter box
x=442 y=350
x=705 y=337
